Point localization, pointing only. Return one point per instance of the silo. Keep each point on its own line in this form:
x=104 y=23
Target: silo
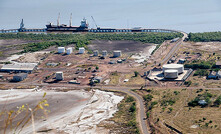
x=170 y=74
x=177 y=67
x=95 y=52
x=104 y=53
x=81 y=50
x=61 y=50
x=69 y=50
x=117 y=53
x=59 y=75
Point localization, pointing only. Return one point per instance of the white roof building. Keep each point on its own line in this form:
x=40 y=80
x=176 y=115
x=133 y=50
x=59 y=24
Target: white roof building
x=19 y=67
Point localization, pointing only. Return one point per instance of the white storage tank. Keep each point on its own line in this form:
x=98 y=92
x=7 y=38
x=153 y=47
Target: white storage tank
x=59 y=76
x=170 y=74
x=69 y=50
x=61 y=50
x=178 y=67
x=95 y=52
x=81 y=50
x=104 y=53
x=117 y=53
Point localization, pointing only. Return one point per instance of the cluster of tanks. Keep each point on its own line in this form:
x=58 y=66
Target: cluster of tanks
x=171 y=71
x=116 y=53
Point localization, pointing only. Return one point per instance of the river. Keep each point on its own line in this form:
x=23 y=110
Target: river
x=185 y=15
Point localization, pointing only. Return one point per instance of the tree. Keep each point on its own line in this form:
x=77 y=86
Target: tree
x=97 y=68
x=135 y=73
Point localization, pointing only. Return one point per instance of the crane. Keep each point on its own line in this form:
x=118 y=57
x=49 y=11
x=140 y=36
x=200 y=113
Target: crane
x=95 y=22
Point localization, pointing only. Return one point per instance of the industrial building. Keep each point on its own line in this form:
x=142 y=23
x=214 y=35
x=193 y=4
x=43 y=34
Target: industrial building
x=96 y=52
x=19 y=77
x=61 y=50
x=19 y=67
x=69 y=50
x=117 y=53
x=59 y=76
x=81 y=50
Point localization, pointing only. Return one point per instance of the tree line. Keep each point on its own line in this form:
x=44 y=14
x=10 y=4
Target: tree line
x=204 y=37
x=81 y=40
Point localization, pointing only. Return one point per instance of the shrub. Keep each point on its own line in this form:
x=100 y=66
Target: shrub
x=188 y=83
x=130 y=99
x=132 y=107
x=148 y=97
x=217 y=102
x=136 y=73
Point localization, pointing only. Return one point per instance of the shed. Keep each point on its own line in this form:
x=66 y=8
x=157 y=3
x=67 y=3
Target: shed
x=181 y=61
x=202 y=102
x=218 y=64
x=212 y=75
x=59 y=76
x=98 y=79
x=20 y=77
x=218 y=74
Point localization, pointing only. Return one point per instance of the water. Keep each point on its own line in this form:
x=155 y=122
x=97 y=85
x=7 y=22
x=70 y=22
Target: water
x=185 y=15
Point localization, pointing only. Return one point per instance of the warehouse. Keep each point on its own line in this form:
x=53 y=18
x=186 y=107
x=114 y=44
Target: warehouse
x=19 y=67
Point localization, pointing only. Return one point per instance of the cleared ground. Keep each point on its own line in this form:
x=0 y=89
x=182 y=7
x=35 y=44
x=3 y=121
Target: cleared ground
x=9 y=47
x=124 y=46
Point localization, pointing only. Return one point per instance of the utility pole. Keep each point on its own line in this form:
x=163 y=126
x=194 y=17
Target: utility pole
x=58 y=19
x=71 y=20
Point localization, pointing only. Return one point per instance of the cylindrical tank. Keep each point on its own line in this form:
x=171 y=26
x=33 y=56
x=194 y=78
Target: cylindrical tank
x=69 y=50
x=61 y=50
x=177 y=67
x=170 y=74
x=104 y=53
x=117 y=53
x=81 y=50
x=59 y=75
x=95 y=52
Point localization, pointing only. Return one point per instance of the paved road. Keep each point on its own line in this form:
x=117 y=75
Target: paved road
x=141 y=109
x=174 y=49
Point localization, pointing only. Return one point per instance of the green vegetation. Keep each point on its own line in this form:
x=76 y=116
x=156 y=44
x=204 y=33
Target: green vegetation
x=136 y=73
x=133 y=107
x=205 y=96
x=188 y=83
x=217 y=102
x=148 y=97
x=201 y=72
x=205 y=37
x=130 y=99
x=125 y=117
x=200 y=65
x=81 y=40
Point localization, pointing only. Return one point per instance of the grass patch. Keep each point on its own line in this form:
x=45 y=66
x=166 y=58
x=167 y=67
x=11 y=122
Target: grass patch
x=171 y=107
